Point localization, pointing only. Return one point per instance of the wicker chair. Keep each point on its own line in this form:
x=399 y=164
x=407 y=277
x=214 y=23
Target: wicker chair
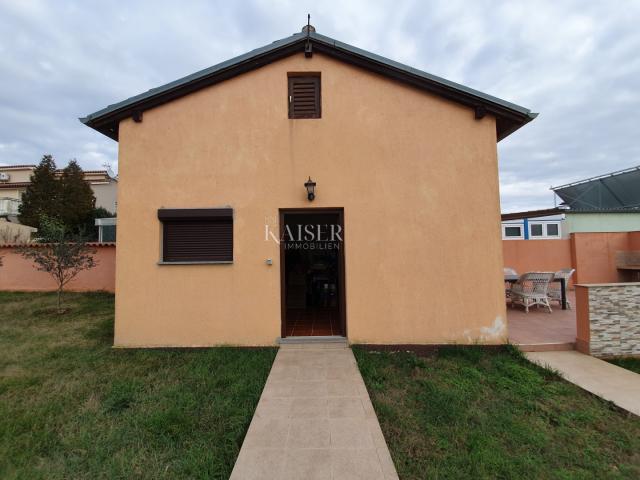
x=555 y=293
x=531 y=289
x=507 y=285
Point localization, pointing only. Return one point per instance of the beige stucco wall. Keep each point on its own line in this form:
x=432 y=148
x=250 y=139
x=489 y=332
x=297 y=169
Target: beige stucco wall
x=106 y=195
x=417 y=177
x=18 y=175
x=12 y=193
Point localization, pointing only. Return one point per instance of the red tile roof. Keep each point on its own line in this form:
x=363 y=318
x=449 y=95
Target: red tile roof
x=16 y=166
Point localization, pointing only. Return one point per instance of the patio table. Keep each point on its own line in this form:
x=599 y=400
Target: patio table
x=563 y=286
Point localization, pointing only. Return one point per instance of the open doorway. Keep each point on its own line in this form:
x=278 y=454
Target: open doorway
x=312 y=272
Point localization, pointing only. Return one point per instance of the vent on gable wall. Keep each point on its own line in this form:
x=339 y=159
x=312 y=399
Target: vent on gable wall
x=304 y=96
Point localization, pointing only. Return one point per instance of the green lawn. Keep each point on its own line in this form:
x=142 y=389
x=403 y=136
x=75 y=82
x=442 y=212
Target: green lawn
x=630 y=363
x=73 y=407
x=473 y=413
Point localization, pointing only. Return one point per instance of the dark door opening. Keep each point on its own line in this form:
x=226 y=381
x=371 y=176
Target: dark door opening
x=312 y=272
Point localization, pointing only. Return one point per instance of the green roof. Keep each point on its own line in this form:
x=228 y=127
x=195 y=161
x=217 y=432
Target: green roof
x=509 y=116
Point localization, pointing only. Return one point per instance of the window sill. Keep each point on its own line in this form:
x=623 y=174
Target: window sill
x=216 y=262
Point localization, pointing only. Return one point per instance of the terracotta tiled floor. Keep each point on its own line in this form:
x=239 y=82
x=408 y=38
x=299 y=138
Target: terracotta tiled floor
x=539 y=326
x=302 y=322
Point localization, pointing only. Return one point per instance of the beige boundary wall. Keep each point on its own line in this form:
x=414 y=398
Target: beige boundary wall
x=15 y=232
x=19 y=274
x=608 y=319
x=417 y=177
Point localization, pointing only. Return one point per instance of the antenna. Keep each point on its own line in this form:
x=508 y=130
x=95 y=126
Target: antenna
x=308 y=52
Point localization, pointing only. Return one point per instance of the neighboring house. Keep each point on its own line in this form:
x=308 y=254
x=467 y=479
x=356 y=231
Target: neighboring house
x=606 y=203
x=14 y=180
x=534 y=225
x=105 y=188
x=309 y=188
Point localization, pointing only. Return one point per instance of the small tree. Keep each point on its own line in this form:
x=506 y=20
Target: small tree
x=61 y=255
x=42 y=197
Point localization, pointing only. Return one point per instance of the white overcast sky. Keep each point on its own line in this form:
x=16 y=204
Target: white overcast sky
x=575 y=62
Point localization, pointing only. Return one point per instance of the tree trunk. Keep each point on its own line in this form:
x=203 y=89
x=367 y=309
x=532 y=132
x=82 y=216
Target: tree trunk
x=60 y=300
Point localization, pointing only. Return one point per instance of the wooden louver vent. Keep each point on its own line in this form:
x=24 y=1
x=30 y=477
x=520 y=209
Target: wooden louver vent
x=198 y=235
x=304 y=96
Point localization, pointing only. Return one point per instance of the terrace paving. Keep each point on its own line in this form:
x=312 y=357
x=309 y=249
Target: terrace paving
x=539 y=330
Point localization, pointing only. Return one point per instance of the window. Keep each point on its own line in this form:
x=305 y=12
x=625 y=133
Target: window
x=304 y=96
x=544 y=230
x=553 y=230
x=200 y=235
x=512 y=232
x=536 y=230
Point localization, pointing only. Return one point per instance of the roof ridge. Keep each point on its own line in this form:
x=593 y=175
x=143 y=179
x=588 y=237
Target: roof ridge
x=510 y=116
x=424 y=73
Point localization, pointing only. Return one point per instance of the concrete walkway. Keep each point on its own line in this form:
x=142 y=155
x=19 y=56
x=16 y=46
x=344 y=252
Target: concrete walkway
x=314 y=421
x=618 y=385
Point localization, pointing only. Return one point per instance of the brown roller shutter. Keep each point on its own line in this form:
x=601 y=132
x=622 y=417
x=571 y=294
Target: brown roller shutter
x=304 y=96
x=197 y=235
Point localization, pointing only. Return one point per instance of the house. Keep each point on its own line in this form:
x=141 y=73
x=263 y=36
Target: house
x=534 y=225
x=105 y=188
x=14 y=180
x=606 y=203
x=309 y=187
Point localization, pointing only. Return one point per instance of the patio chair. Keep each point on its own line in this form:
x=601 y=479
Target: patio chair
x=507 y=285
x=555 y=290
x=531 y=289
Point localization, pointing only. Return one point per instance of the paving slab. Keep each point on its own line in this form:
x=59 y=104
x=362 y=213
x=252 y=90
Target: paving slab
x=314 y=420
x=613 y=383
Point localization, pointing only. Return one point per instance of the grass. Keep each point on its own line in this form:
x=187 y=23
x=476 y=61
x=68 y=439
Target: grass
x=73 y=407
x=474 y=413
x=630 y=363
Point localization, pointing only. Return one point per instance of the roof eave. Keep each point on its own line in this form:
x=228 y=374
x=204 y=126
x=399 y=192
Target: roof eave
x=512 y=127
x=546 y=212
x=107 y=119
